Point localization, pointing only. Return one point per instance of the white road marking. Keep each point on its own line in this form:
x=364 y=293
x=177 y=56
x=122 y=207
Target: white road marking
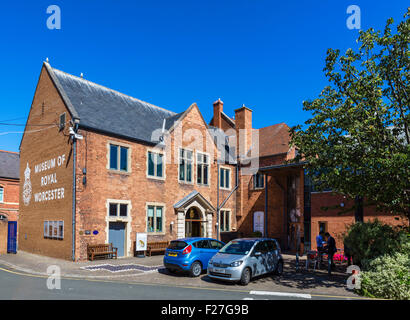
x=282 y=294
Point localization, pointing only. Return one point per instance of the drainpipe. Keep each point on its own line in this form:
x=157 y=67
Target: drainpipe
x=76 y=122
x=266 y=205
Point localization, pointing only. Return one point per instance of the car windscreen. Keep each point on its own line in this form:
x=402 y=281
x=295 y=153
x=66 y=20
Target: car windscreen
x=177 y=245
x=237 y=247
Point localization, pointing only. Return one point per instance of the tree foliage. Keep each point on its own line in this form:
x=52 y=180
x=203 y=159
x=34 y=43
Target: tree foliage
x=357 y=141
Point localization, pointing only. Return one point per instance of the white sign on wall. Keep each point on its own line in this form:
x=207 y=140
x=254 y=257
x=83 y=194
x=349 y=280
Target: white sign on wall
x=47 y=180
x=258 y=222
x=141 y=243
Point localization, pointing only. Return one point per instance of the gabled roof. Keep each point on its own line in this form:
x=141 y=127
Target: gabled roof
x=110 y=111
x=9 y=165
x=194 y=195
x=273 y=139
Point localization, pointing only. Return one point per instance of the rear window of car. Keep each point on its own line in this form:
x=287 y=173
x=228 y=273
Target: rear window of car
x=177 y=245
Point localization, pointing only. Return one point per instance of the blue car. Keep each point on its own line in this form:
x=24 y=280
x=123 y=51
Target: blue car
x=191 y=254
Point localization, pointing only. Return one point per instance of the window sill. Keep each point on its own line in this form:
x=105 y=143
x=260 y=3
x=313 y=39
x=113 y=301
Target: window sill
x=155 y=233
x=126 y=173
x=156 y=178
x=187 y=183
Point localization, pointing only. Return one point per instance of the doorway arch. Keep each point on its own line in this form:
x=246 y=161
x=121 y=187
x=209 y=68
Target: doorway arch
x=194 y=223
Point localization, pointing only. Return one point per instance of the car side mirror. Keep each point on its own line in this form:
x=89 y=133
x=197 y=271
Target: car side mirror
x=257 y=254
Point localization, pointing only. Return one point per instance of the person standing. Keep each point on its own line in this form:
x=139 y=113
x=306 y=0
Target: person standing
x=331 y=250
x=319 y=245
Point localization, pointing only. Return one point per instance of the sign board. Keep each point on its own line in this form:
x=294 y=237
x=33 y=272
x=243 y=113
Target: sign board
x=258 y=221
x=141 y=243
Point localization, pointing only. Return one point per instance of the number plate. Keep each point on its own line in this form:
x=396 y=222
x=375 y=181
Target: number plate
x=172 y=255
x=219 y=270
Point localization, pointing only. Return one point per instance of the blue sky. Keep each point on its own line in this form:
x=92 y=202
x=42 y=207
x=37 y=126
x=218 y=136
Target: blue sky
x=266 y=54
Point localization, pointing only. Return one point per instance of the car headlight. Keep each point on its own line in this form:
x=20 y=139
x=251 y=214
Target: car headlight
x=236 y=263
x=210 y=262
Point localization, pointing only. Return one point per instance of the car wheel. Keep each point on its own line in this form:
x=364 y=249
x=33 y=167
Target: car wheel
x=245 y=277
x=196 y=269
x=279 y=268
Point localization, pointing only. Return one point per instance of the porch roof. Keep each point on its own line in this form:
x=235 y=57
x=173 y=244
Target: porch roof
x=194 y=195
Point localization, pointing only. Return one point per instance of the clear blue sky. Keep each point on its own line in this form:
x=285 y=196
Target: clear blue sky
x=266 y=54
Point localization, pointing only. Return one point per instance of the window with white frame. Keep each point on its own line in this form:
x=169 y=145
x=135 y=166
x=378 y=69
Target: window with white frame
x=225 y=220
x=155 y=164
x=155 y=219
x=118 y=209
x=225 y=178
x=185 y=165
x=258 y=181
x=118 y=158
x=1 y=194
x=54 y=230
x=202 y=165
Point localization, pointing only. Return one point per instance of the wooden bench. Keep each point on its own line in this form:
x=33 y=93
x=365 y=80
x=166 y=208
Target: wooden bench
x=156 y=246
x=101 y=250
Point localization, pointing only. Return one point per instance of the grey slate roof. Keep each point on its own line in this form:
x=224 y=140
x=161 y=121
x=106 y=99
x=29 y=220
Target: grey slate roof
x=107 y=110
x=9 y=165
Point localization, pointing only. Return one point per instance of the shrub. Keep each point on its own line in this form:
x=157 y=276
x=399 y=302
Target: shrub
x=387 y=277
x=369 y=240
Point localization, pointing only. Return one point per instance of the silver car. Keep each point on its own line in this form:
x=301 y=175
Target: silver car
x=242 y=259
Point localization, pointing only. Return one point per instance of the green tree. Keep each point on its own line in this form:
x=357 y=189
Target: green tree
x=357 y=141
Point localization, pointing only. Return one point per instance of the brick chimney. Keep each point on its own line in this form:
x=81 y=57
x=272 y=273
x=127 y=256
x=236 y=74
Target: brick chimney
x=218 y=108
x=243 y=123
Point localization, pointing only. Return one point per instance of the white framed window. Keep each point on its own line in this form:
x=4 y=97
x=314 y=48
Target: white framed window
x=118 y=158
x=116 y=209
x=155 y=165
x=53 y=230
x=202 y=168
x=225 y=220
x=155 y=218
x=225 y=178
x=258 y=180
x=185 y=166
x=1 y=194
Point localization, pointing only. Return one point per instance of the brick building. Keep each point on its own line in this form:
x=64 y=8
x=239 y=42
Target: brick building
x=9 y=194
x=134 y=168
x=9 y=184
x=100 y=166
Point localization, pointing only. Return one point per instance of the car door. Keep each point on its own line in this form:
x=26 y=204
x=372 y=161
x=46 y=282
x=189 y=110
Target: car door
x=261 y=260
x=272 y=255
x=205 y=252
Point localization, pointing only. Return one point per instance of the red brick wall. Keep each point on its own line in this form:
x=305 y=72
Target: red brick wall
x=337 y=224
x=10 y=204
x=44 y=141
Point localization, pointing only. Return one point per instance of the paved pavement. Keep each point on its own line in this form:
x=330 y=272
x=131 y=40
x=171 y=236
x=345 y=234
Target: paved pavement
x=149 y=272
